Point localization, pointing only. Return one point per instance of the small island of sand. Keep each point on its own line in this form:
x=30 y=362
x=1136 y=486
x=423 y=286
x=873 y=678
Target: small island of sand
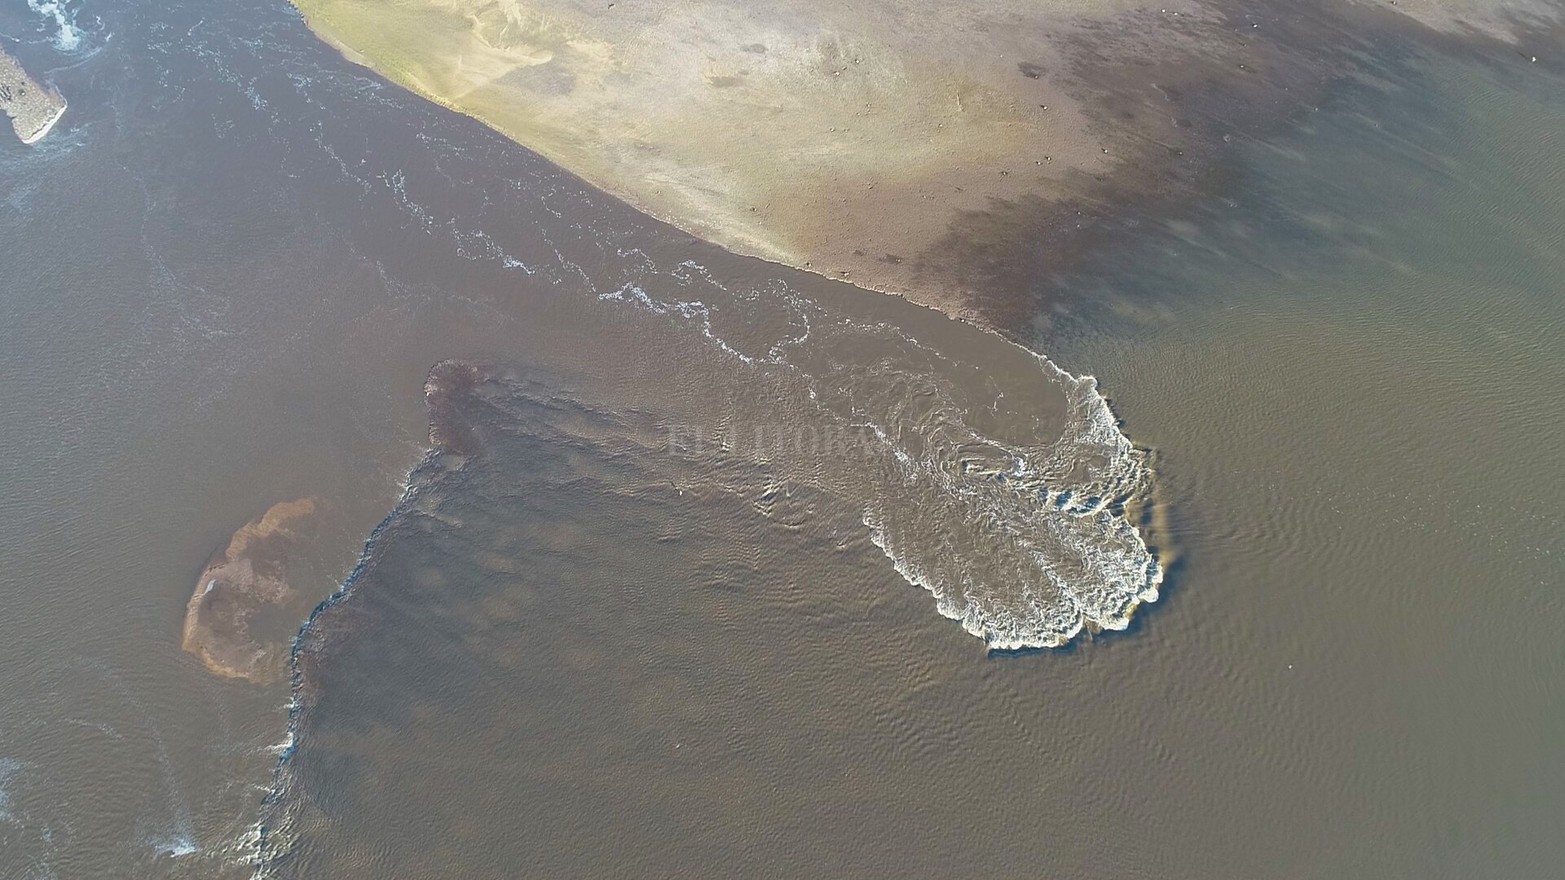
x=33 y=108
x=926 y=148
x=244 y=612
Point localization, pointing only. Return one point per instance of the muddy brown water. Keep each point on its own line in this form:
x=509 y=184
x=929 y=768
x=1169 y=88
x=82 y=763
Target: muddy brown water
x=640 y=617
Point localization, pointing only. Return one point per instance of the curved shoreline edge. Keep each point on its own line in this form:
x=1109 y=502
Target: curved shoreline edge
x=33 y=108
x=47 y=126
x=952 y=155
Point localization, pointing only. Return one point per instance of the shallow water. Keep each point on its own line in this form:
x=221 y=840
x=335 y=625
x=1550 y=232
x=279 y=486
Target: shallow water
x=231 y=269
x=1351 y=374
x=567 y=656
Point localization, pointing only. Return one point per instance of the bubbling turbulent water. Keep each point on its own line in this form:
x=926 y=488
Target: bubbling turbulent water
x=1025 y=541
x=1006 y=490
x=1027 y=555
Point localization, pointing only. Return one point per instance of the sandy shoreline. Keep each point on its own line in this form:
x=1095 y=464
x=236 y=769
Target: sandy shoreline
x=32 y=107
x=913 y=148
x=38 y=135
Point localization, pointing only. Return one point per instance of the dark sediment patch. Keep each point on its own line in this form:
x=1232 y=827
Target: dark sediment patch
x=448 y=383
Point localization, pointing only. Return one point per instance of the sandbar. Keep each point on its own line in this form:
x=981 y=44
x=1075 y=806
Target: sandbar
x=247 y=579
x=916 y=147
x=32 y=107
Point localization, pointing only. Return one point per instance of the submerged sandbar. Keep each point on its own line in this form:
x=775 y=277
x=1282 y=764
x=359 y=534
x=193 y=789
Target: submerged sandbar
x=250 y=578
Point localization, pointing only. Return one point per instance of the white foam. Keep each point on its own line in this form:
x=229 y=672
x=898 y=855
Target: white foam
x=693 y=309
x=68 y=37
x=1030 y=564
x=9 y=767
x=177 y=847
x=1024 y=546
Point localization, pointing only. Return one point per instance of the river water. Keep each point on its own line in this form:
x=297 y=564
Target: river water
x=691 y=580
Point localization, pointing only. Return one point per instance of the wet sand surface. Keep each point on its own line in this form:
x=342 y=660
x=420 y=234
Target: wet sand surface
x=934 y=150
x=32 y=107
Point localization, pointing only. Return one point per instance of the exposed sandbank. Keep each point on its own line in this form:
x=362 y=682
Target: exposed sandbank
x=912 y=147
x=32 y=107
